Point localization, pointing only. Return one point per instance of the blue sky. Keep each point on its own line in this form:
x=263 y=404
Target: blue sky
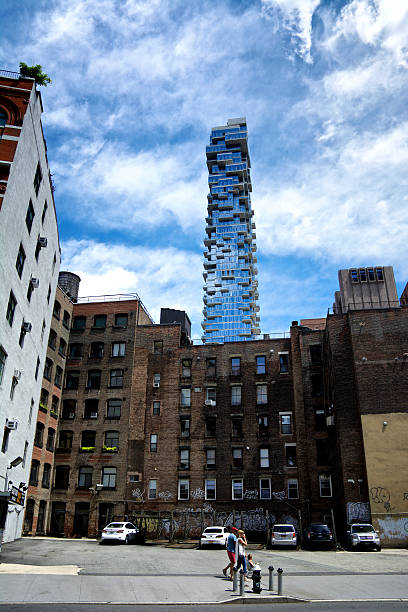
x=137 y=85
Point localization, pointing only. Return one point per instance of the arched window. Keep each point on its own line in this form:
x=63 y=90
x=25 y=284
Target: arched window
x=3 y=118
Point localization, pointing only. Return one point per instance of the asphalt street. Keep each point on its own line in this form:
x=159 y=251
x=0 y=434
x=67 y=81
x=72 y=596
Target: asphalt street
x=74 y=572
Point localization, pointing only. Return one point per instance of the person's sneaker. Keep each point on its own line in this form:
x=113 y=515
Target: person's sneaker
x=224 y=571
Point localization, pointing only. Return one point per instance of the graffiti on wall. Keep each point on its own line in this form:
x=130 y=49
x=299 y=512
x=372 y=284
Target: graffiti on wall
x=279 y=495
x=248 y=494
x=197 y=493
x=358 y=511
x=395 y=529
x=165 y=495
x=380 y=495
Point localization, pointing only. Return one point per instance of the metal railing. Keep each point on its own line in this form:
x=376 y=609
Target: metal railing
x=10 y=75
x=116 y=297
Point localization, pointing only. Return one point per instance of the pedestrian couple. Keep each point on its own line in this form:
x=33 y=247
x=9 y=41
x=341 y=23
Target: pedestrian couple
x=236 y=543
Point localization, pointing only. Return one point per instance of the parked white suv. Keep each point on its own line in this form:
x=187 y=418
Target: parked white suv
x=363 y=535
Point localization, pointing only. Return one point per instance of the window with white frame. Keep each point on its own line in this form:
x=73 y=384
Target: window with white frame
x=109 y=477
x=211 y=394
x=210 y=488
x=156 y=408
x=3 y=358
x=236 y=395
x=184 y=458
x=285 y=422
x=237 y=488
x=261 y=394
x=260 y=364
x=325 y=485
x=237 y=457
x=186 y=368
x=264 y=457
x=293 y=488
x=265 y=490
x=118 y=349
x=183 y=489
x=153 y=443
x=290 y=451
x=152 y=489
x=235 y=365
x=210 y=458
x=156 y=380
x=185 y=396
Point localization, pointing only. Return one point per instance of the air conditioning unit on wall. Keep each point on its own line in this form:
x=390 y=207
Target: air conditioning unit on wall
x=11 y=423
x=156 y=385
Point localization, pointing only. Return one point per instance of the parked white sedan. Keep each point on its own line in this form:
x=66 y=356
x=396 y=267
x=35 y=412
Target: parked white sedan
x=214 y=535
x=121 y=532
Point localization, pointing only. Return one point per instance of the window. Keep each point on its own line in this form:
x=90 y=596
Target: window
x=94 y=379
x=211 y=395
x=39 y=435
x=37 y=368
x=354 y=276
x=237 y=488
x=75 y=351
x=286 y=422
x=50 y=439
x=30 y=414
x=293 y=489
x=66 y=319
x=237 y=457
x=3 y=118
x=26 y=446
x=22 y=335
x=116 y=378
x=62 y=477
x=11 y=307
x=49 y=287
x=210 y=458
x=43 y=330
x=20 y=260
x=109 y=477
x=79 y=322
x=48 y=369
x=37 y=179
x=363 y=275
x=263 y=425
x=91 y=409
x=322 y=452
x=46 y=476
x=84 y=477
x=58 y=376
x=283 y=363
x=44 y=399
x=264 y=457
x=68 y=409
x=371 y=275
x=88 y=439
x=290 y=452
x=185 y=427
x=236 y=427
x=260 y=364
x=379 y=274
x=261 y=394
x=96 y=350
x=315 y=354
x=210 y=366
x=152 y=489
x=210 y=489
x=185 y=397
x=317 y=385
x=52 y=340
x=57 y=310
x=235 y=366
x=3 y=358
x=41 y=515
x=14 y=383
x=236 y=396
x=114 y=408
x=35 y=468
x=183 y=489
x=153 y=443
x=158 y=347
x=121 y=320
x=44 y=212
x=156 y=380
x=100 y=321
x=72 y=379
x=211 y=427
x=325 y=485
x=112 y=439
x=265 y=488
x=186 y=368
x=62 y=349
x=156 y=408
x=6 y=436
x=184 y=459
x=65 y=439
x=55 y=404
x=118 y=349
x=30 y=290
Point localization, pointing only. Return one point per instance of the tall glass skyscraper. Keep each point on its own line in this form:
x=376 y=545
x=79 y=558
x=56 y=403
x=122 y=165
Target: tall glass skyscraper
x=231 y=288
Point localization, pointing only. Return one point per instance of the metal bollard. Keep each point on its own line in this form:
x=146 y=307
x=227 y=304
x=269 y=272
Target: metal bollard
x=280 y=572
x=271 y=568
x=242 y=583
x=234 y=579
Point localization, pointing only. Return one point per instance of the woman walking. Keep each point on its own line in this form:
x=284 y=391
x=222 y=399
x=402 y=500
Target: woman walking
x=241 y=543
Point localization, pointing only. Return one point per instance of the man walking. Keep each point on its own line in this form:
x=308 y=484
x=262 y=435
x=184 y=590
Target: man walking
x=231 y=543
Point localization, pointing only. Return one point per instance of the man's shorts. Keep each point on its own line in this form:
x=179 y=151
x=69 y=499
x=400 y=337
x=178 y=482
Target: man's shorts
x=231 y=556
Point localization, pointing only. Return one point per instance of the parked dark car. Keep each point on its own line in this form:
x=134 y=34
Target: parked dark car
x=317 y=535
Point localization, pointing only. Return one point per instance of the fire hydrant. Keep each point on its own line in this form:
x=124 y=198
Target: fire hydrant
x=256 y=579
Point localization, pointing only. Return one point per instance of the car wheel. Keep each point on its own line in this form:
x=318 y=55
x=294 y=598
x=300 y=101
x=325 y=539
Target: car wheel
x=101 y=542
x=127 y=540
x=378 y=548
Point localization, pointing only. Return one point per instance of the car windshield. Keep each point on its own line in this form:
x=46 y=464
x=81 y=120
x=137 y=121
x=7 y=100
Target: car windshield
x=319 y=529
x=362 y=529
x=283 y=528
x=115 y=525
x=213 y=530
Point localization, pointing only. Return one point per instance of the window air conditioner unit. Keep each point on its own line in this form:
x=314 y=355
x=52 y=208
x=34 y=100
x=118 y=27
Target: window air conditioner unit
x=27 y=327
x=11 y=423
x=210 y=403
x=330 y=420
x=35 y=282
x=71 y=415
x=94 y=415
x=42 y=242
x=17 y=374
x=156 y=385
